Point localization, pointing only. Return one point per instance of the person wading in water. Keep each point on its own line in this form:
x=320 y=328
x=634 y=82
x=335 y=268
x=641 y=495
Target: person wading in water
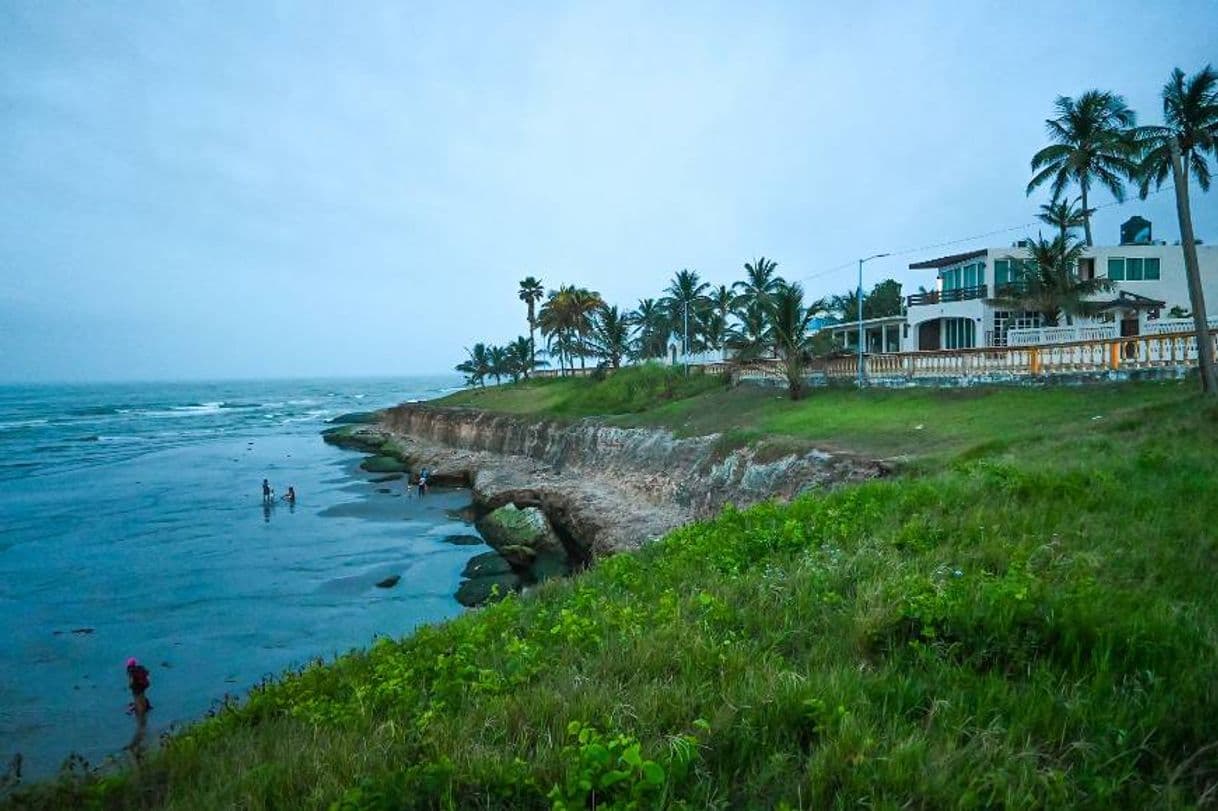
x=137 y=680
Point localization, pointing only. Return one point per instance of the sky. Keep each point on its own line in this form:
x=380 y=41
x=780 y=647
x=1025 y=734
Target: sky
x=234 y=190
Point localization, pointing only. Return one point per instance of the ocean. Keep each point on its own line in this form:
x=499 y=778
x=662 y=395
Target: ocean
x=132 y=524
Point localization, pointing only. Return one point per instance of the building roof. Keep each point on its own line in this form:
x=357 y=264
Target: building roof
x=883 y=320
x=1130 y=301
x=944 y=261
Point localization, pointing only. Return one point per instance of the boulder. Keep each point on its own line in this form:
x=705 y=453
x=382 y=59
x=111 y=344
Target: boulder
x=480 y=590
x=389 y=582
x=510 y=526
x=356 y=418
x=354 y=437
x=383 y=464
x=464 y=540
x=487 y=564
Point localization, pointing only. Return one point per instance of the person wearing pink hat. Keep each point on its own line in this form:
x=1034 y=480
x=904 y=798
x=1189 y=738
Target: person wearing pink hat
x=137 y=680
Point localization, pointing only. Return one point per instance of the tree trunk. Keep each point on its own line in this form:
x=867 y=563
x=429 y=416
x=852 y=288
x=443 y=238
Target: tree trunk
x=795 y=377
x=1196 y=296
x=532 y=349
x=1086 y=217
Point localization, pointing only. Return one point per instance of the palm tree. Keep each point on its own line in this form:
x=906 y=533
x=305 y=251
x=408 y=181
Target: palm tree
x=530 y=293
x=759 y=281
x=476 y=366
x=1064 y=215
x=686 y=292
x=1091 y=144
x=611 y=335
x=553 y=319
x=497 y=363
x=653 y=325
x=565 y=319
x=1050 y=284
x=584 y=306
x=788 y=319
x=1190 y=132
x=520 y=360
x=750 y=338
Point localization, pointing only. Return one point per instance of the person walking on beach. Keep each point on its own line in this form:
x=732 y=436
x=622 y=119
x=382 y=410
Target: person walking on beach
x=266 y=490
x=423 y=484
x=138 y=682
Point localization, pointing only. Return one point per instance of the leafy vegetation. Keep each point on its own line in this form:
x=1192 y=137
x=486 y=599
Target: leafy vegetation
x=1028 y=626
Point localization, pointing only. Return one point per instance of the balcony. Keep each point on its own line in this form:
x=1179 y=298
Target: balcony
x=946 y=296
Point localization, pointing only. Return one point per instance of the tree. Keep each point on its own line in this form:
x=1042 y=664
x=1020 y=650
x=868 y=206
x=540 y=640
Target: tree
x=1091 y=144
x=565 y=318
x=530 y=293
x=554 y=320
x=476 y=365
x=520 y=359
x=611 y=335
x=1064 y=215
x=759 y=281
x=883 y=300
x=788 y=319
x=686 y=298
x=497 y=363
x=750 y=338
x=1049 y=283
x=1189 y=133
x=653 y=326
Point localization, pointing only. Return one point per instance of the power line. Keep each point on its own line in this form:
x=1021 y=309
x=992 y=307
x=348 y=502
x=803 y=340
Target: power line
x=948 y=243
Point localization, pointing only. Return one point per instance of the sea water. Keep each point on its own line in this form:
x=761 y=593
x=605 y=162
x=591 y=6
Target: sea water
x=132 y=524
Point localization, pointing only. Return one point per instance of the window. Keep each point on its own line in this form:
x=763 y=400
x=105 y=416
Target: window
x=958 y=333
x=970 y=275
x=1005 y=320
x=1133 y=269
x=1009 y=271
x=951 y=279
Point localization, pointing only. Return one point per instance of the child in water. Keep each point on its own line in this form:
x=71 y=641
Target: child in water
x=290 y=498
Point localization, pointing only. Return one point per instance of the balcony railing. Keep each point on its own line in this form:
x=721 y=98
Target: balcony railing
x=945 y=296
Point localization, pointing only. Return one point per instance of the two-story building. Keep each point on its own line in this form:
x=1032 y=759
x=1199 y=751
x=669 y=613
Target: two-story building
x=961 y=306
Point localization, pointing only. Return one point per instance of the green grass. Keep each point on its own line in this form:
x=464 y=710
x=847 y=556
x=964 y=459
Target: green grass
x=923 y=423
x=630 y=390
x=1032 y=625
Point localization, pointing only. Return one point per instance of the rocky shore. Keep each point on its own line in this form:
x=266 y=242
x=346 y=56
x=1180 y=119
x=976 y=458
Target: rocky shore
x=552 y=496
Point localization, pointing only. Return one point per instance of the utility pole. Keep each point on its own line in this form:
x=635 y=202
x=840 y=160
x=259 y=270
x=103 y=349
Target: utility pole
x=685 y=343
x=860 y=313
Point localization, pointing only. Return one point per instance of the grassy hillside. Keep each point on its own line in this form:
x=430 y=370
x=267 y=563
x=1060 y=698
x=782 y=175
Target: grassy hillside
x=1031 y=625
x=934 y=423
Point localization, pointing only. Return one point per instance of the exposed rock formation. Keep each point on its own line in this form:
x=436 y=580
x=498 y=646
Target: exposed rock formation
x=603 y=488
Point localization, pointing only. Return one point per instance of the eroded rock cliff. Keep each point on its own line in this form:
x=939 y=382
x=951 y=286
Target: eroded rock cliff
x=604 y=488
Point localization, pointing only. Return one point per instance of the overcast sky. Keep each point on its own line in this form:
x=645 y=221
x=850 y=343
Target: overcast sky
x=245 y=189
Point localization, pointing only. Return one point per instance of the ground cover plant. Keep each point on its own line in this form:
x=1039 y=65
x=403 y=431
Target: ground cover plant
x=1031 y=625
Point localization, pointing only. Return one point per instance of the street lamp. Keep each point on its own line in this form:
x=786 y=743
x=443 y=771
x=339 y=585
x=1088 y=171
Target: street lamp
x=860 y=312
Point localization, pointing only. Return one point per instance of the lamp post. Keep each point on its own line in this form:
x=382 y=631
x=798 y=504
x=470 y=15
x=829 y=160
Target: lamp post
x=860 y=311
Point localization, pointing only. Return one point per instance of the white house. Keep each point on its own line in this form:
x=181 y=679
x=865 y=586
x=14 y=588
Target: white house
x=959 y=308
